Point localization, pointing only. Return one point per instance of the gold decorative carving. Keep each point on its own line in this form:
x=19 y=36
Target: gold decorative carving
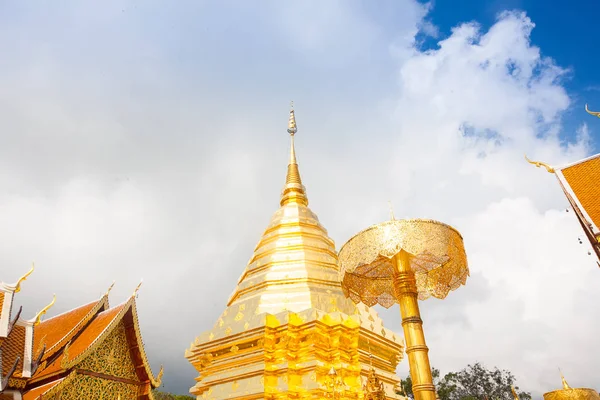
x=112 y=357
x=94 y=388
x=44 y=310
x=24 y=277
x=540 y=164
x=373 y=388
x=594 y=113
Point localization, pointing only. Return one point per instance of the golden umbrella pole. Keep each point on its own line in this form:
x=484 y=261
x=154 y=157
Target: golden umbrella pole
x=405 y=287
x=403 y=262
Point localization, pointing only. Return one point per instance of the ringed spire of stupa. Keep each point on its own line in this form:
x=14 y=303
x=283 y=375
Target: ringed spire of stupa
x=293 y=190
x=294 y=266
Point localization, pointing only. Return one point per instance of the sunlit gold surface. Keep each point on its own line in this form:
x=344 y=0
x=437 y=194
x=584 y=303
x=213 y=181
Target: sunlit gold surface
x=400 y=262
x=288 y=322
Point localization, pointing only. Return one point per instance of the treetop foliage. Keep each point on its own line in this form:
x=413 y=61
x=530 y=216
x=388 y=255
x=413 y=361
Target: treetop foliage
x=474 y=382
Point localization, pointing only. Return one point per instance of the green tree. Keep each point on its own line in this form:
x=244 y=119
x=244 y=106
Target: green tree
x=474 y=382
x=169 y=396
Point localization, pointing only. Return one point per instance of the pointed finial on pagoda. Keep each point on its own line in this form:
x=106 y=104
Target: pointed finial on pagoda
x=514 y=392
x=293 y=190
x=292 y=128
x=594 y=113
x=38 y=317
x=137 y=288
x=109 y=288
x=392 y=217
x=564 y=381
x=540 y=164
x=21 y=279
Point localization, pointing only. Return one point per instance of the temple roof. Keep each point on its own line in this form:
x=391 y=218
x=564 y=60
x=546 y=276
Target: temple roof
x=55 y=332
x=579 y=181
x=91 y=336
x=13 y=349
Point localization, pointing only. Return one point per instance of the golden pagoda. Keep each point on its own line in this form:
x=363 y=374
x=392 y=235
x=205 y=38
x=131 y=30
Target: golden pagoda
x=569 y=393
x=288 y=331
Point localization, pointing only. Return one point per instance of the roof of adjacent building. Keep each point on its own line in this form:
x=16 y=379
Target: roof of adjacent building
x=51 y=349
x=579 y=181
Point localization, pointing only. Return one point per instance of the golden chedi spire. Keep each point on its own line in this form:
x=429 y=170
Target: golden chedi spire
x=295 y=261
x=287 y=323
x=293 y=190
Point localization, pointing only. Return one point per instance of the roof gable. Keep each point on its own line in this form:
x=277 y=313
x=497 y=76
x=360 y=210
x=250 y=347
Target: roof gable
x=94 y=334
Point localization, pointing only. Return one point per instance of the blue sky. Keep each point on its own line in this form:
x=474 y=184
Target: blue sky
x=146 y=139
x=565 y=31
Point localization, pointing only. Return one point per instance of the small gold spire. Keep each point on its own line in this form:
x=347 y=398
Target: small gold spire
x=39 y=315
x=594 y=113
x=21 y=279
x=540 y=164
x=135 y=292
x=391 y=211
x=564 y=381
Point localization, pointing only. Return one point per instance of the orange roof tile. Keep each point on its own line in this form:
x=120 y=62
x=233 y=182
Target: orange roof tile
x=56 y=331
x=13 y=347
x=583 y=179
x=1 y=301
x=34 y=394
x=85 y=339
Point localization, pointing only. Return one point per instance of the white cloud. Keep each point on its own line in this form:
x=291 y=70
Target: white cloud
x=165 y=164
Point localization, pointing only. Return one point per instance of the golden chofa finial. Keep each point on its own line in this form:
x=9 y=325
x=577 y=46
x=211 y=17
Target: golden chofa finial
x=564 y=381
x=38 y=317
x=109 y=288
x=135 y=292
x=292 y=128
x=540 y=164
x=594 y=113
x=21 y=279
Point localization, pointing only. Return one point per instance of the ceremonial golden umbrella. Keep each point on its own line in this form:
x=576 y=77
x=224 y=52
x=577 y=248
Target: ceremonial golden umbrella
x=402 y=261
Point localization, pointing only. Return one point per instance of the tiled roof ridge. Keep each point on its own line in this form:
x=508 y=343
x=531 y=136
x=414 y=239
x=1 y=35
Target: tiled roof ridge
x=83 y=322
x=125 y=306
x=565 y=166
